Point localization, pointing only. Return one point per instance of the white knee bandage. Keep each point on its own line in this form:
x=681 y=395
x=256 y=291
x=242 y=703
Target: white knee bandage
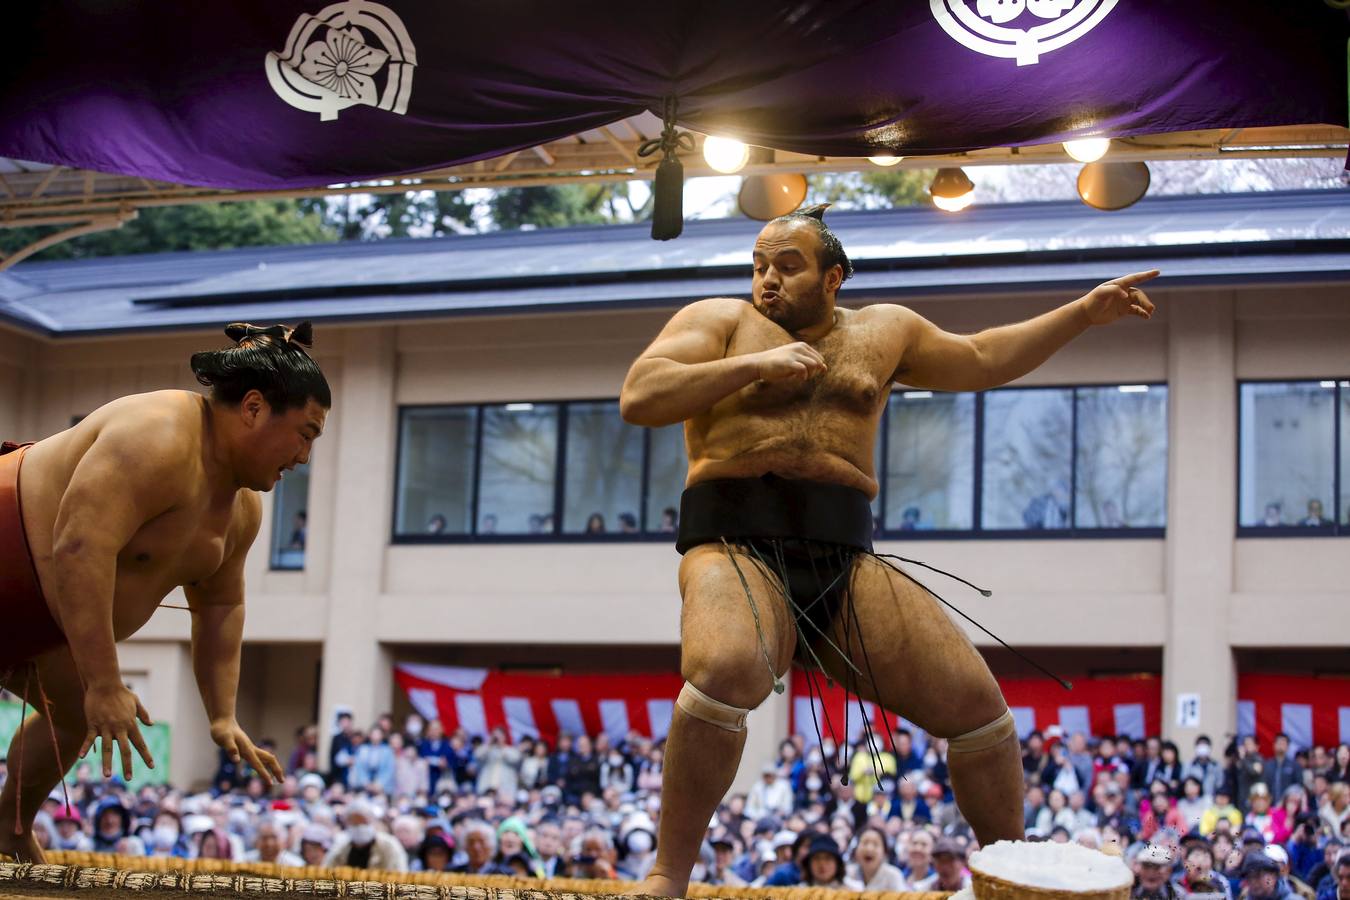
x=704 y=708
x=994 y=733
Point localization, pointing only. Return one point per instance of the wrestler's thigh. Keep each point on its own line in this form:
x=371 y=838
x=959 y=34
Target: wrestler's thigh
x=924 y=666
x=57 y=677
x=720 y=646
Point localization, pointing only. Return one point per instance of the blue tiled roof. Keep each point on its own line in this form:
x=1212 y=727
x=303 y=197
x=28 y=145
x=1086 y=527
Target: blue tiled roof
x=1015 y=248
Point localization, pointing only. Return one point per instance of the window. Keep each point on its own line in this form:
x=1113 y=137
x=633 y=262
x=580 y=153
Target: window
x=930 y=461
x=1344 y=510
x=1121 y=476
x=667 y=468
x=1028 y=460
x=290 y=519
x=520 y=461
x=436 y=471
x=1287 y=467
x=602 y=492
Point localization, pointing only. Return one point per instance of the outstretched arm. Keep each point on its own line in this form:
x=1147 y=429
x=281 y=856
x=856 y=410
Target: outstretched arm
x=686 y=370
x=942 y=361
x=217 y=606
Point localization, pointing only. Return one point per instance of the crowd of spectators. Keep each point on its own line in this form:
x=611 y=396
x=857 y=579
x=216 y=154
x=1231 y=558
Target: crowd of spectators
x=1225 y=822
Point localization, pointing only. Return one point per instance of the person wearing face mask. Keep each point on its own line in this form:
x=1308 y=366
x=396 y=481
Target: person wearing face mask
x=362 y=847
x=166 y=836
x=1203 y=767
x=617 y=772
x=637 y=838
x=112 y=829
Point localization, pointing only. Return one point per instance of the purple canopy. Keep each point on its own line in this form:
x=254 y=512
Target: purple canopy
x=290 y=93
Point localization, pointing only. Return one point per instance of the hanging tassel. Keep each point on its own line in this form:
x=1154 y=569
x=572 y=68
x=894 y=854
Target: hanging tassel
x=668 y=188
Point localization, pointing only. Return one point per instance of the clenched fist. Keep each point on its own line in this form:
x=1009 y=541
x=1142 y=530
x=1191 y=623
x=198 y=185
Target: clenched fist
x=797 y=361
x=1119 y=298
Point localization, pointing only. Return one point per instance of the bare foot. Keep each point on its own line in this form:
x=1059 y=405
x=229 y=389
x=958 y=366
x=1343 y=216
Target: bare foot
x=21 y=847
x=661 y=886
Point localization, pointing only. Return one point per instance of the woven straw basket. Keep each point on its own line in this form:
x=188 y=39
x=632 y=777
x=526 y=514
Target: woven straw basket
x=991 y=887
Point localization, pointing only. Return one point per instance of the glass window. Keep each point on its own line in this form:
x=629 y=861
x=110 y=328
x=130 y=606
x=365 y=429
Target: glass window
x=930 y=461
x=1027 y=467
x=435 y=490
x=1345 y=453
x=520 y=461
x=602 y=493
x=1121 y=481
x=1285 y=458
x=667 y=469
x=290 y=519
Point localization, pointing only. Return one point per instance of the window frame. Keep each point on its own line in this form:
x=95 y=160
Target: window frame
x=1336 y=528
x=643 y=535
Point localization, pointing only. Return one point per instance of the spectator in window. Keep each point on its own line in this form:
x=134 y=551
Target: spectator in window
x=1282 y=770
x=299 y=530
x=909 y=518
x=361 y=846
x=546 y=523
x=1111 y=517
x=498 y=764
x=488 y=525
x=437 y=524
x=628 y=523
x=1314 y=518
x=595 y=524
x=670 y=520
x=374 y=764
x=1274 y=516
x=1049 y=510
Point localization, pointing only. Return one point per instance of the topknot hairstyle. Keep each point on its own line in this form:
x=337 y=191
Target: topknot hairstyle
x=831 y=251
x=273 y=361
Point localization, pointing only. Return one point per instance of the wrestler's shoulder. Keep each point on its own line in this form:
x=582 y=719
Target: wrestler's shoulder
x=729 y=308
x=884 y=315
x=161 y=426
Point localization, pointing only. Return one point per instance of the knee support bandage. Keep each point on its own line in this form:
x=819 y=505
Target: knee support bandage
x=983 y=738
x=704 y=708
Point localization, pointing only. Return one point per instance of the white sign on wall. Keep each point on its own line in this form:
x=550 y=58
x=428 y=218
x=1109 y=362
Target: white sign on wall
x=1188 y=710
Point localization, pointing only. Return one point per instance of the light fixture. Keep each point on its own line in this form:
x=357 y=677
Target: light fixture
x=1087 y=150
x=952 y=190
x=726 y=155
x=1133 y=388
x=885 y=160
x=1112 y=186
x=766 y=197
x=918 y=395
x=520 y=407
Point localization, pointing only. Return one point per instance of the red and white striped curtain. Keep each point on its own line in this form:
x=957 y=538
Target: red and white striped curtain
x=1310 y=710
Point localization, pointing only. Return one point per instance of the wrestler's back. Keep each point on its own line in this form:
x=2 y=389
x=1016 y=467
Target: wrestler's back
x=823 y=429
x=185 y=544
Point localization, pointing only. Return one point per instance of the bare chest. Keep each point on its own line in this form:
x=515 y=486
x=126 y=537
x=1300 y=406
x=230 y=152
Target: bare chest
x=856 y=382
x=181 y=547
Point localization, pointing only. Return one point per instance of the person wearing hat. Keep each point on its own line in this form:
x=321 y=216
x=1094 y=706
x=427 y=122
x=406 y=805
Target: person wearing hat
x=1223 y=808
x=822 y=866
x=1152 y=872
x=1259 y=814
x=315 y=842
x=789 y=848
x=1261 y=879
x=1281 y=857
x=949 y=868
x=720 y=872
x=436 y=853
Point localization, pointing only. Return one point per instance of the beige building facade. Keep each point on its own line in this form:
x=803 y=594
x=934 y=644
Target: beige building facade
x=1196 y=602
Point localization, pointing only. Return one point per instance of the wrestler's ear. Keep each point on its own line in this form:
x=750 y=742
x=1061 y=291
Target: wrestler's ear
x=252 y=407
x=834 y=278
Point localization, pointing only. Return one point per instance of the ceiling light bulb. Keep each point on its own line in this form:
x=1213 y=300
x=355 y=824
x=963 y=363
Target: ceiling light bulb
x=885 y=160
x=1088 y=149
x=726 y=155
x=952 y=190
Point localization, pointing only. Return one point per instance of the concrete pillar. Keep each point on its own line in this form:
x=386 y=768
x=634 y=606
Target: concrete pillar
x=1201 y=512
x=356 y=668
